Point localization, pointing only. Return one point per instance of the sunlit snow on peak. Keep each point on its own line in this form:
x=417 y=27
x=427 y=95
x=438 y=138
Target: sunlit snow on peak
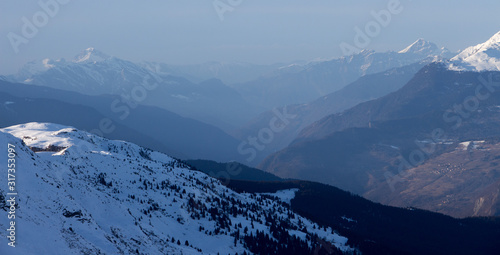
x=482 y=57
x=91 y=55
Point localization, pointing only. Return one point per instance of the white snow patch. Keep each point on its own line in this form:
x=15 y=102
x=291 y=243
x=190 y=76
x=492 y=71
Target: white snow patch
x=91 y=55
x=47 y=63
x=348 y=219
x=475 y=144
x=41 y=135
x=285 y=195
x=464 y=145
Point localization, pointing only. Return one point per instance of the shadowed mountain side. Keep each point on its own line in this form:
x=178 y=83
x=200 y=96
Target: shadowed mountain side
x=189 y=138
x=365 y=88
x=232 y=171
x=372 y=227
x=95 y=73
x=372 y=146
x=433 y=88
x=379 y=229
x=15 y=110
x=461 y=182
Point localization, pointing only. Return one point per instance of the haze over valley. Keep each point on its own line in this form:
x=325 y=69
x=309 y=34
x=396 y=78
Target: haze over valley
x=241 y=127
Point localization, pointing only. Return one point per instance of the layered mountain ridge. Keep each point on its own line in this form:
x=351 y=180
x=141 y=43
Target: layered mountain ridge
x=298 y=84
x=95 y=73
x=387 y=150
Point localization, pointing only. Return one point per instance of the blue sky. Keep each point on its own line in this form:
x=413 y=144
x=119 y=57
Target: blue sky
x=255 y=31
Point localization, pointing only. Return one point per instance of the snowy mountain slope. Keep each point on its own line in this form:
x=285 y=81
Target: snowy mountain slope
x=482 y=57
x=83 y=194
x=91 y=72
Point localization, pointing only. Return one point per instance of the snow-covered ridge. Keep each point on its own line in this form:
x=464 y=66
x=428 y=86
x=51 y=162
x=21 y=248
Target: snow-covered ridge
x=482 y=57
x=38 y=134
x=90 y=72
x=425 y=48
x=90 y=55
x=415 y=52
x=417 y=46
x=92 y=62
x=91 y=195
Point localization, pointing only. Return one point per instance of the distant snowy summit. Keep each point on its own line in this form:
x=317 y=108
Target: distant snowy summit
x=91 y=55
x=370 y=61
x=482 y=57
x=425 y=48
x=92 y=58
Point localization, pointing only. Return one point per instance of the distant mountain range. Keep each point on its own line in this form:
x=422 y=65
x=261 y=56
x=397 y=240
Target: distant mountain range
x=297 y=84
x=171 y=87
x=423 y=145
x=366 y=149
x=95 y=73
x=491 y=47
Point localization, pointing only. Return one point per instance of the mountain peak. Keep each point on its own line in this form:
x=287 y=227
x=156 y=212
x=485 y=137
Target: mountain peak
x=90 y=55
x=420 y=46
x=494 y=40
x=482 y=57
